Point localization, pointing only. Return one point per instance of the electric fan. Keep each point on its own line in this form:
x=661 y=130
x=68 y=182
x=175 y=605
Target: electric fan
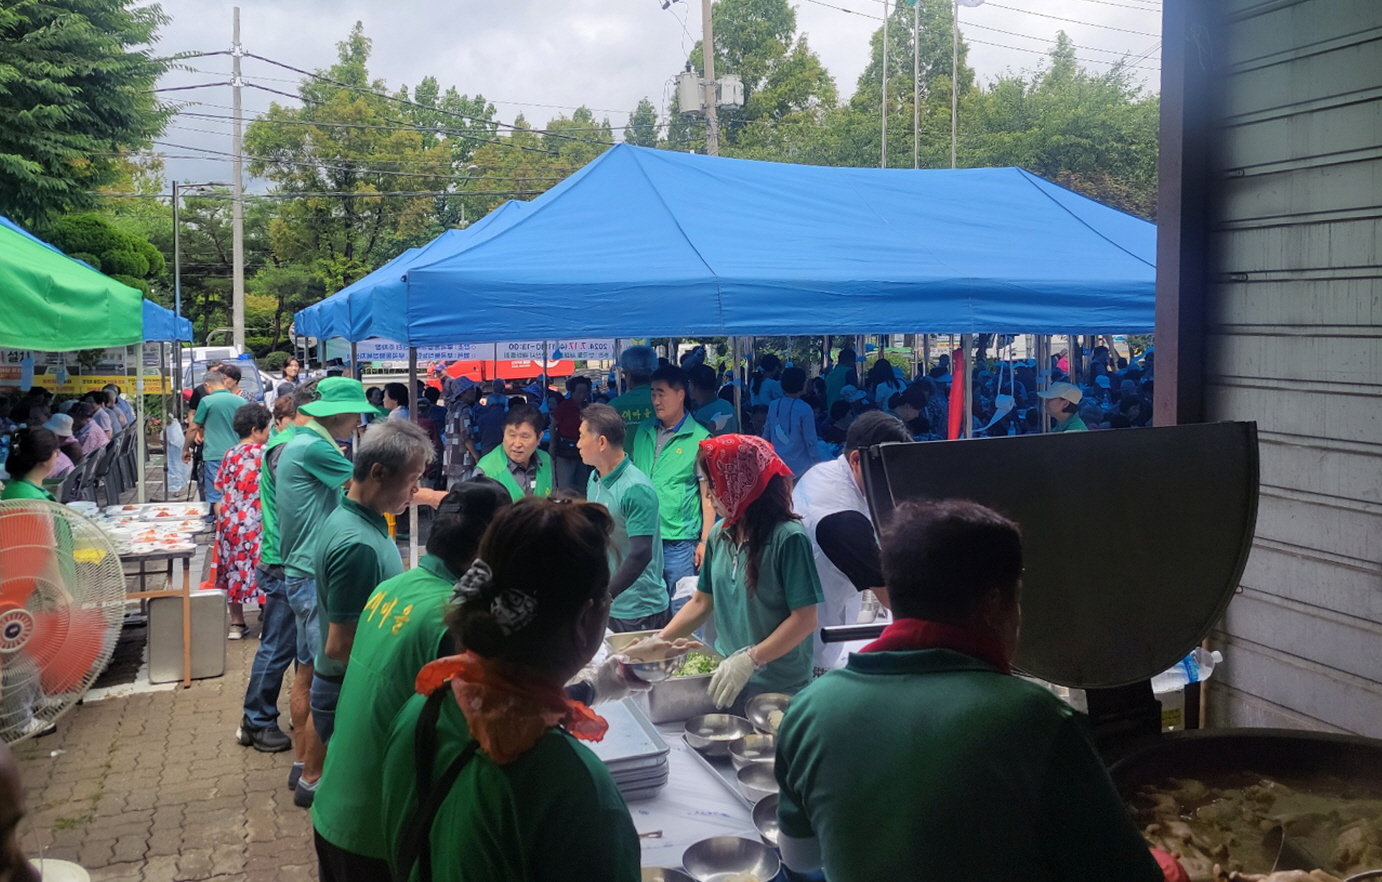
x=62 y=603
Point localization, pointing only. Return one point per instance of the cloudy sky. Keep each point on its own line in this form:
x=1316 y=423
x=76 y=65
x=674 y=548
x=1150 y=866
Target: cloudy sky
x=546 y=58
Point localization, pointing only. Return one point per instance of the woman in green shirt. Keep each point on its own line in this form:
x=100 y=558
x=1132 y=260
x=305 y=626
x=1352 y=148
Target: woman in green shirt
x=33 y=456
x=758 y=578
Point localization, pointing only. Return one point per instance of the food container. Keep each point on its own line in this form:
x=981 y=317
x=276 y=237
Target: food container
x=711 y=734
x=765 y=819
x=665 y=874
x=765 y=711
x=752 y=749
x=673 y=699
x=731 y=857
x=757 y=781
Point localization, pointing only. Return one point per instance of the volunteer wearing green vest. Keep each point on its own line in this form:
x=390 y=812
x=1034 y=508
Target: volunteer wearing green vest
x=636 y=404
x=759 y=579
x=955 y=770
x=401 y=630
x=664 y=449
x=1063 y=405
x=277 y=626
x=355 y=553
x=516 y=462
x=311 y=474
x=528 y=803
x=33 y=456
x=639 y=594
x=213 y=427
x=712 y=411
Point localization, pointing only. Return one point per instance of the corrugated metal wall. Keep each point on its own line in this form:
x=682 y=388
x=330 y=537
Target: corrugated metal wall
x=1294 y=341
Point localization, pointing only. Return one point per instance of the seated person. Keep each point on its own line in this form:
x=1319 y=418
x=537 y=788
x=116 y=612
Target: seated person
x=964 y=771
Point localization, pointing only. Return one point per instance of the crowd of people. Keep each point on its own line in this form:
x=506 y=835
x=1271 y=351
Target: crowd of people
x=72 y=430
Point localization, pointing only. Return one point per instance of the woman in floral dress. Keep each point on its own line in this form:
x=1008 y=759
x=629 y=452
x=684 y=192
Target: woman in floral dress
x=238 y=517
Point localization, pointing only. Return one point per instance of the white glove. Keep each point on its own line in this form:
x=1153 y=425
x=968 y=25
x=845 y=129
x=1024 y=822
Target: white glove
x=612 y=681
x=731 y=677
x=654 y=648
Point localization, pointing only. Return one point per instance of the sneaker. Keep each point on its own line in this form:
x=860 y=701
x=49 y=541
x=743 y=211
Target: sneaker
x=270 y=739
x=304 y=793
x=237 y=632
x=35 y=728
x=293 y=775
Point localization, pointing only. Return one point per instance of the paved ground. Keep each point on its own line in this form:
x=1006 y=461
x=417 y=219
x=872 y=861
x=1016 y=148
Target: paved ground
x=153 y=788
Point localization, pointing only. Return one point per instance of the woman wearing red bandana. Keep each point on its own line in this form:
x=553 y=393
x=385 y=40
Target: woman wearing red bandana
x=509 y=793
x=924 y=759
x=758 y=579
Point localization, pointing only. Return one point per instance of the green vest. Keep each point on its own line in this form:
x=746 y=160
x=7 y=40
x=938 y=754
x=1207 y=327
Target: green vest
x=673 y=473
x=495 y=464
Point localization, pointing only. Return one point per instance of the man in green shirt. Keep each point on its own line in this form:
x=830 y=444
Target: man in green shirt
x=635 y=554
x=355 y=554
x=956 y=769
x=212 y=428
x=1063 y=405
x=517 y=463
x=311 y=474
x=400 y=629
x=712 y=411
x=277 y=625
x=636 y=404
x=841 y=375
x=664 y=448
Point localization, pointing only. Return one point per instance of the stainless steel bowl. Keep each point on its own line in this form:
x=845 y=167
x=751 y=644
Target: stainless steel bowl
x=731 y=857
x=665 y=874
x=765 y=819
x=753 y=749
x=757 y=781
x=760 y=710
x=711 y=734
x=657 y=670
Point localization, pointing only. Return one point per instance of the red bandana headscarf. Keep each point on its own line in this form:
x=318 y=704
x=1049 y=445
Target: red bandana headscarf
x=739 y=468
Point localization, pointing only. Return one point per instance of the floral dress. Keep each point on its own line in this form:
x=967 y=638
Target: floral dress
x=237 y=537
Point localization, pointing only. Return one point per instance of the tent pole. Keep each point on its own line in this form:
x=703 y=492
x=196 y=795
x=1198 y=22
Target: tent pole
x=142 y=443
x=926 y=353
x=163 y=402
x=734 y=375
x=413 y=414
x=355 y=362
x=966 y=341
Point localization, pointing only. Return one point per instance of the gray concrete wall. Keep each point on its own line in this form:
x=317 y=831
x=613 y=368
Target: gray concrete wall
x=1293 y=338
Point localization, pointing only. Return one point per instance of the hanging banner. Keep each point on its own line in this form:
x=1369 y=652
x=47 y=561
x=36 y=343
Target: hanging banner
x=523 y=350
x=387 y=350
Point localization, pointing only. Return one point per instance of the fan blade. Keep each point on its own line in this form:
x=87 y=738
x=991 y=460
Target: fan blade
x=65 y=646
x=27 y=555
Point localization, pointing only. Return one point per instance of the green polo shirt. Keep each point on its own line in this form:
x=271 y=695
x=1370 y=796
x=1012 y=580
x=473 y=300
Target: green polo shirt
x=268 y=472
x=552 y=815
x=311 y=472
x=216 y=415
x=631 y=499
x=718 y=417
x=400 y=630
x=17 y=488
x=673 y=473
x=787 y=580
x=1074 y=424
x=953 y=771
x=635 y=405
x=354 y=555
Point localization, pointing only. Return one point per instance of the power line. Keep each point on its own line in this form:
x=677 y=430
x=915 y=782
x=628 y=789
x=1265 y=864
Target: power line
x=1072 y=20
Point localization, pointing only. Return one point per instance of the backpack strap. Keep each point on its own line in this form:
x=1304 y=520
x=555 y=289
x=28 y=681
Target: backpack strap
x=415 y=845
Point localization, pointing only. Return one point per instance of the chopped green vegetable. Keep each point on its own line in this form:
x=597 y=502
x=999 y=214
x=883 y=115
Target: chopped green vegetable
x=697 y=663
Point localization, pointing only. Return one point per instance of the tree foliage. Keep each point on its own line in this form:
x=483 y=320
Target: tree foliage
x=76 y=91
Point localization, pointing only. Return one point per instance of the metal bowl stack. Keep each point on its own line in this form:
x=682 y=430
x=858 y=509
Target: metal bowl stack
x=711 y=734
x=731 y=857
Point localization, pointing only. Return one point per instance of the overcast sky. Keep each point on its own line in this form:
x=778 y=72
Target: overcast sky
x=547 y=58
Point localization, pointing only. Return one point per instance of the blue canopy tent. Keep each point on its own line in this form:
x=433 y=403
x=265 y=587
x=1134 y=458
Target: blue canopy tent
x=368 y=307
x=648 y=242
x=163 y=325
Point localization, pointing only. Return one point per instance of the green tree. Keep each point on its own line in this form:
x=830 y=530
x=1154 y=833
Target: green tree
x=461 y=125
x=526 y=162
x=123 y=256
x=643 y=127
x=1093 y=132
x=76 y=91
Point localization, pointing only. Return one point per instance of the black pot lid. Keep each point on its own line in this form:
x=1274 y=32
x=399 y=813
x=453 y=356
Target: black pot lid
x=1134 y=539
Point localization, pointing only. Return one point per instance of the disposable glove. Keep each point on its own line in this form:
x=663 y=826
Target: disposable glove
x=610 y=680
x=731 y=677
x=655 y=647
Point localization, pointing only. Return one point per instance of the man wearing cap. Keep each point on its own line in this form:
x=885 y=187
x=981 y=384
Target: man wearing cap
x=309 y=480
x=1063 y=404
x=636 y=404
x=458 y=441
x=213 y=427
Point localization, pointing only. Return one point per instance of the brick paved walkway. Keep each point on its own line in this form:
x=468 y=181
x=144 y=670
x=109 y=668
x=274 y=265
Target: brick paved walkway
x=153 y=788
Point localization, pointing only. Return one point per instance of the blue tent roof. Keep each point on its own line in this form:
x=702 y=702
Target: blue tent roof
x=646 y=242
x=164 y=325
x=369 y=306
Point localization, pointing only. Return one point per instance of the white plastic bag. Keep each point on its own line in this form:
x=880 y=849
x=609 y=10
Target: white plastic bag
x=179 y=472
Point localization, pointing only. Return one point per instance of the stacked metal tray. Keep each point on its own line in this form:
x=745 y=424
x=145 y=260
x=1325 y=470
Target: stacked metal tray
x=632 y=750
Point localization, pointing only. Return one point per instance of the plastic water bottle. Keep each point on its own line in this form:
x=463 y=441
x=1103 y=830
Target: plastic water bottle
x=1194 y=668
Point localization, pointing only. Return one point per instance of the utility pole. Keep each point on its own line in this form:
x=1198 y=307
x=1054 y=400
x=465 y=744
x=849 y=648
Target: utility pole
x=883 y=158
x=954 y=79
x=237 y=303
x=916 y=84
x=712 y=118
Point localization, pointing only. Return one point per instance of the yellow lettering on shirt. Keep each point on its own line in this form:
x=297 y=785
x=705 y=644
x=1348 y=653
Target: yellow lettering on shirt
x=400 y=620
x=373 y=605
x=386 y=610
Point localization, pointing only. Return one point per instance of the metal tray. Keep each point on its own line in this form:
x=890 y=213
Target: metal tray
x=631 y=744
x=674 y=699
x=723 y=770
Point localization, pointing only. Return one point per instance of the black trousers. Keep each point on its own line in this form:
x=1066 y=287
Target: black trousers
x=654 y=622
x=338 y=865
